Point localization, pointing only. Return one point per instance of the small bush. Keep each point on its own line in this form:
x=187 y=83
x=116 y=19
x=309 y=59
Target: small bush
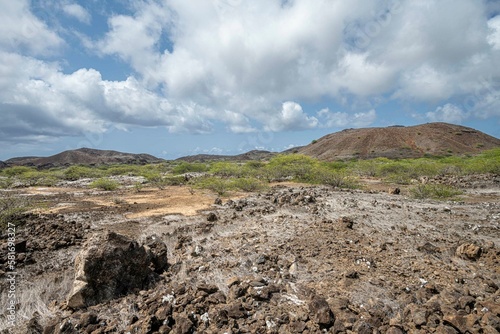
x=130 y=170
x=227 y=169
x=105 y=184
x=74 y=173
x=292 y=166
x=5 y=182
x=215 y=184
x=334 y=178
x=160 y=181
x=436 y=191
x=174 y=180
x=187 y=167
x=249 y=184
x=11 y=208
x=16 y=170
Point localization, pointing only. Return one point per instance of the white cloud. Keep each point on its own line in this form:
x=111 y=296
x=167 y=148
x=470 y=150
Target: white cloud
x=135 y=39
x=38 y=99
x=448 y=113
x=77 y=11
x=198 y=63
x=21 y=30
x=237 y=122
x=494 y=36
x=330 y=119
x=291 y=118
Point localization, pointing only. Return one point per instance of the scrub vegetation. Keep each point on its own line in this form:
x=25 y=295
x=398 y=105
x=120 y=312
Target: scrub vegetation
x=222 y=177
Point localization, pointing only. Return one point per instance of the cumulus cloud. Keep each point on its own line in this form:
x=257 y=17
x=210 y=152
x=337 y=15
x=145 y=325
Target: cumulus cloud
x=448 y=113
x=43 y=101
x=77 y=11
x=330 y=119
x=494 y=35
x=21 y=30
x=196 y=64
x=291 y=118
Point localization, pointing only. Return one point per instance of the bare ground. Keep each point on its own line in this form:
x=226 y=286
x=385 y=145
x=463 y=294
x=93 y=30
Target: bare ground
x=382 y=262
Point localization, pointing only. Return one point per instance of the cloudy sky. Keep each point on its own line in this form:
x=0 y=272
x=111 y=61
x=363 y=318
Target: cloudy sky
x=178 y=77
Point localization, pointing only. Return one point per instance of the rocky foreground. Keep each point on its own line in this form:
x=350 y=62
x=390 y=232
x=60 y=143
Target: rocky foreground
x=292 y=260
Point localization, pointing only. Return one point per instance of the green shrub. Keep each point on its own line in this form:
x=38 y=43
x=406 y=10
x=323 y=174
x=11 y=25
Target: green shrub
x=251 y=165
x=16 y=170
x=74 y=173
x=105 y=184
x=330 y=177
x=249 y=184
x=227 y=169
x=155 y=179
x=187 y=167
x=436 y=191
x=6 y=182
x=174 y=180
x=294 y=166
x=131 y=170
x=215 y=184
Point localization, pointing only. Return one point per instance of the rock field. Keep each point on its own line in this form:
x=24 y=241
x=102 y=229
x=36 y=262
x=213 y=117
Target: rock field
x=293 y=259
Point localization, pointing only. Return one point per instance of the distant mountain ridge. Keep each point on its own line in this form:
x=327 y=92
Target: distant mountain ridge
x=437 y=139
x=251 y=155
x=83 y=156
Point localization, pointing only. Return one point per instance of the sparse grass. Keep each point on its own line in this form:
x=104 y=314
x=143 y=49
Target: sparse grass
x=36 y=297
x=12 y=207
x=249 y=184
x=105 y=184
x=435 y=191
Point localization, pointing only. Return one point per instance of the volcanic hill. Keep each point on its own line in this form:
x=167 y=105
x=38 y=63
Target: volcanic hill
x=83 y=156
x=436 y=139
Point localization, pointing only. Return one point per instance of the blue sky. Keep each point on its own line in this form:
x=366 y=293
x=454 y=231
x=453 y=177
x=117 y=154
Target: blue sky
x=176 y=77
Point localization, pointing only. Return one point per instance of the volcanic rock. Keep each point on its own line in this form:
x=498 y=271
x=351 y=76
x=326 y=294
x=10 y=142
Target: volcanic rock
x=321 y=312
x=468 y=251
x=110 y=265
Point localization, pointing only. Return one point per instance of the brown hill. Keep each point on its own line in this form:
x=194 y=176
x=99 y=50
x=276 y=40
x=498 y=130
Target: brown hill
x=401 y=142
x=84 y=156
x=251 y=155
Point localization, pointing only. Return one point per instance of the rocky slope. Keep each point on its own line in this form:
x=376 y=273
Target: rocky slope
x=401 y=142
x=83 y=156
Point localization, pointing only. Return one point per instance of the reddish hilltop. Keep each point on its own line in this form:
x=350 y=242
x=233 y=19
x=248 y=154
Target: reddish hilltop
x=401 y=142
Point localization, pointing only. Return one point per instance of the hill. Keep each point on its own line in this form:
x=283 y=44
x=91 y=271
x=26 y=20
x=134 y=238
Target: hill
x=83 y=156
x=251 y=155
x=436 y=139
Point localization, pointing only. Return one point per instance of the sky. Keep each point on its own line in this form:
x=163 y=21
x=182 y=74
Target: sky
x=175 y=77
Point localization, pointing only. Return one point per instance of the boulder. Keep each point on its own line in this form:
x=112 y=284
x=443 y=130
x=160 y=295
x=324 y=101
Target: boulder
x=159 y=252
x=468 y=252
x=109 y=266
x=320 y=311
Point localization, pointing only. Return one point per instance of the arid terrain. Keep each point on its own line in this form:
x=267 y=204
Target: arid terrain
x=396 y=142
x=292 y=259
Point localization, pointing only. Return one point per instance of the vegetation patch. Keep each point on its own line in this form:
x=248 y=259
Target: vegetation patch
x=12 y=207
x=434 y=191
x=105 y=184
x=216 y=184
